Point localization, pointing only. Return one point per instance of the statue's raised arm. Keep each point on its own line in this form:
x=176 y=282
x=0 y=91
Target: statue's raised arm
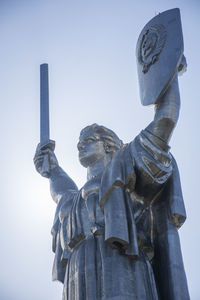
x=160 y=58
x=166 y=112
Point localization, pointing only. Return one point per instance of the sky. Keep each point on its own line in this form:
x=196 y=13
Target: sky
x=90 y=48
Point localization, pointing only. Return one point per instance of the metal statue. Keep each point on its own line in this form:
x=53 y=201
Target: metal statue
x=117 y=237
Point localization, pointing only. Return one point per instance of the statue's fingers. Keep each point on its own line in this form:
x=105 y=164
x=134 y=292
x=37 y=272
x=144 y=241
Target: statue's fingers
x=38 y=158
x=47 y=151
x=39 y=148
x=41 y=153
x=38 y=163
x=39 y=169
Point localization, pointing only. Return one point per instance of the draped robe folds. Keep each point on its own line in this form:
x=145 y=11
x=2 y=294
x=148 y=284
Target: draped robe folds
x=124 y=239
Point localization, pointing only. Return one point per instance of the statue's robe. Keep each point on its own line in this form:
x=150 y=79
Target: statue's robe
x=121 y=242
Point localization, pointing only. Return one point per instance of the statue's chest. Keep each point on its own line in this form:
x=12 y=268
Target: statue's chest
x=91 y=187
x=90 y=196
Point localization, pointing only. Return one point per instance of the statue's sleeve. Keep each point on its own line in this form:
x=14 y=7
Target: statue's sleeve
x=157 y=174
x=60 y=184
x=153 y=163
x=62 y=190
x=60 y=234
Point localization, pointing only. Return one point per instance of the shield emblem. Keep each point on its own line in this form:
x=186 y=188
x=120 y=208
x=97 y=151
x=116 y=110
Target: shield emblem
x=159 y=52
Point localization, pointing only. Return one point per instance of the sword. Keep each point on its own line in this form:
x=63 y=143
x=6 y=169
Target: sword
x=45 y=141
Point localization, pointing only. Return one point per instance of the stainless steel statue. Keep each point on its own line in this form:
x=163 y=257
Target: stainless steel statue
x=117 y=237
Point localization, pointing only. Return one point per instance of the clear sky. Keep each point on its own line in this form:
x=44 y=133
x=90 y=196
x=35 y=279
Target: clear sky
x=90 y=48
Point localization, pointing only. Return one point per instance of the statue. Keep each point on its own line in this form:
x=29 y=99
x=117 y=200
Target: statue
x=117 y=237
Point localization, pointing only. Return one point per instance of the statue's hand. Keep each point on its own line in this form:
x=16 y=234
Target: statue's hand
x=45 y=159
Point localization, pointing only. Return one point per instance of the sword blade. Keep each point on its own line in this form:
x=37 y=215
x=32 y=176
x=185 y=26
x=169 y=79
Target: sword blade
x=44 y=103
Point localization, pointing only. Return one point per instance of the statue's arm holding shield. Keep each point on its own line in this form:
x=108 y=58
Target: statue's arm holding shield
x=166 y=113
x=159 y=59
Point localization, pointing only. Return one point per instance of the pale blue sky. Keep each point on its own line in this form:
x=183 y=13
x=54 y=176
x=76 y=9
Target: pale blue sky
x=90 y=48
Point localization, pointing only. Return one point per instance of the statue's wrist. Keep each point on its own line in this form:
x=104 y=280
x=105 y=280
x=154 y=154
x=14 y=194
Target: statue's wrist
x=55 y=171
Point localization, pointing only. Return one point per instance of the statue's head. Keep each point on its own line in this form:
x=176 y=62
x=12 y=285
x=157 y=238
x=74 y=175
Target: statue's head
x=96 y=142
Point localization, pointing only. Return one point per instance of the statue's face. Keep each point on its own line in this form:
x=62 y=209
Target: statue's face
x=91 y=149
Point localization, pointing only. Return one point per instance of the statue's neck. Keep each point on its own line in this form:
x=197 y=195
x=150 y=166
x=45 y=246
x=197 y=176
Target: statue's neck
x=98 y=167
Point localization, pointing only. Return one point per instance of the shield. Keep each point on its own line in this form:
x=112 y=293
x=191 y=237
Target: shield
x=159 y=52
